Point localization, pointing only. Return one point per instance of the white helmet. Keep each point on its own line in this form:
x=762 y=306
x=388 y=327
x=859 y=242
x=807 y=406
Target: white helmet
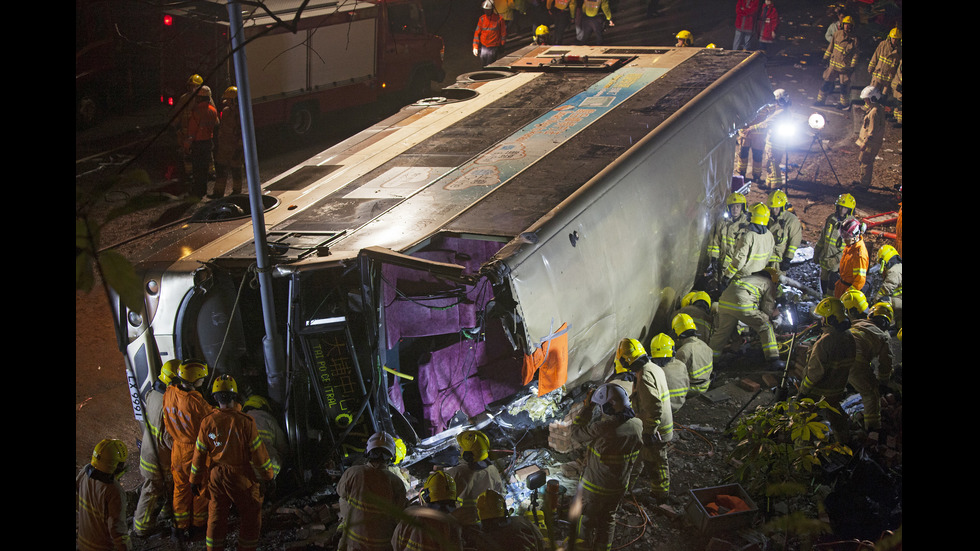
x=488 y=5
x=613 y=395
x=781 y=95
x=870 y=92
x=381 y=440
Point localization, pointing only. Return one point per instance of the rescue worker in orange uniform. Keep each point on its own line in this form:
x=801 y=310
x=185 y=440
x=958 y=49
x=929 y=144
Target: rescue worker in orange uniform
x=100 y=501
x=474 y=475
x=183 y=410
x=504 y=532
x=369 y=492
x=155 y=449
x=230 y=443
x=198 y=143
x=854 y=258
x=651 y=402
x=614 y=441
x=693 y=352
x=490 y=35
x=430 y=526
x=829 y=363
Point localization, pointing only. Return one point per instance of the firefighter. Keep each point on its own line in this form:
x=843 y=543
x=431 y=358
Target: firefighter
x=183 y=410
x=776 y=140
x=693 y=352
x=786 y=229
x=227 y=455
x=100 y=501
x=842 y=56
x=854 y=258
x=871 y=135
x=827 y=252
x=727 y=231
x=474 y=475
x=542 y=36
x=490 y=35
x=684 y=39
x=697 y=305
x=563 y=12
x=505 y=532
x=258 y=408
x=369 y=493
x=614 y=441
x=198 y=144
x=591 y=20
x=890 y=290
x=883 y=65
x=229 y=160
x=855 y=305
x=752 y=139
x=754 y=246
x=430 y=525
x=752 y=301
x=651 y=401
x=184 y=105
x=155 y=449
x=829 y=362
x=871 y=341
x=661 y=352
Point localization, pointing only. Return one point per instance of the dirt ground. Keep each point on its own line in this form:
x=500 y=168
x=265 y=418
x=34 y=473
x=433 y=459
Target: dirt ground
x=699 y=455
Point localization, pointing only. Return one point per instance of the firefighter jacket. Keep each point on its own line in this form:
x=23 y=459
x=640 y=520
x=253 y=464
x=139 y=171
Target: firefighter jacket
x=827 y=252
x=768 y=23
x=753 y=292
x=883 y=65
x=231 y=441
x=202 y=122
x=696 y=355
x=724 y=238
x=613 y=446
x=787 y=233
x=651 y=400
x=491 y=31
x=702 y=319
x=512 y=533
x=746 y=12
x=872 y=343
x=471 y=481
x=272 y=435
x=890 y=290
x=230 y=150
x=100 y=505
x=752 y=251
x=842 y=54
x=183 y=411
x=872 y=132
x=853 y=268
x=678 y=382
x=364 y=491
x=591 y=8
x=829 y=364
x=563 y=5
x=156 y=444
x=427 y=529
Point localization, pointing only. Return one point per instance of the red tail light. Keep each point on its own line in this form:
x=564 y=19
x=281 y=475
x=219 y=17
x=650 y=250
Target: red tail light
x=168 y=20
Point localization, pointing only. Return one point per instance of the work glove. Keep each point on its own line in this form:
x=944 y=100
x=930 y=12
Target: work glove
x=196 y=489
x=476 y=52
x=269 y=488
x=784 y=265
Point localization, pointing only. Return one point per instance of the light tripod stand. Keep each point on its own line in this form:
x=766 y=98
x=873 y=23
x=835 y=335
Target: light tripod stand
x=816 y=122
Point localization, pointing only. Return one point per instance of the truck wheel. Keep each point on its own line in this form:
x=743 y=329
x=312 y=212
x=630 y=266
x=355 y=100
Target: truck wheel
x=301 y=120
x=420 y=86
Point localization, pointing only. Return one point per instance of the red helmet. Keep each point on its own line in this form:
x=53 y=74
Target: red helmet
x=850 y=229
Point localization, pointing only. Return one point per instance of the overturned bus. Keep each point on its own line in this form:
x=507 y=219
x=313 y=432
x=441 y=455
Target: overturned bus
x=476 y=248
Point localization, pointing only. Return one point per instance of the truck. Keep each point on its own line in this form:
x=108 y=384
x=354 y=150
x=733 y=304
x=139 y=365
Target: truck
x=330 y=56
x=481 y=248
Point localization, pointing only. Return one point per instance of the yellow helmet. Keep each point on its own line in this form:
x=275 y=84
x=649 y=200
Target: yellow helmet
x=224 y=383
x=846 y=200
x=168 y=371
x=195 y=80
x=735 y=198
x=541 y=30
x=231 y=92
x=759 y=214
x=192 y=371
x=886 y=253
x=401 y=450
x=847 y=19
x=852 y=299
x=491 y=505
x=884 y=310
x=895 y=33
x=831 y=310
x=109 y=456
x=475 y=443
x=681 y=324
x=256 y=402
x=627 y=353
x=438 y=487
x=662 y=346
x=685 y=36
x=695 y=296
x=777 y=199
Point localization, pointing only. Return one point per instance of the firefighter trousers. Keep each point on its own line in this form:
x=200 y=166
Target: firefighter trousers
x=228 y=486
x=189 y=509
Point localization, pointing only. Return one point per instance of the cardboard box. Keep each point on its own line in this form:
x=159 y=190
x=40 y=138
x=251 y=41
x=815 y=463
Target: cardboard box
x=699 y=516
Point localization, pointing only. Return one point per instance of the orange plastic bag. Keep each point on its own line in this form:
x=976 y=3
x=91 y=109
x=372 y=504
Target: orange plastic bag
x=550 y=361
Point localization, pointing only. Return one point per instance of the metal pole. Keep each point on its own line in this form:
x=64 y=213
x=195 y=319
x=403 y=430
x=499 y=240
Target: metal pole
x=271 y=343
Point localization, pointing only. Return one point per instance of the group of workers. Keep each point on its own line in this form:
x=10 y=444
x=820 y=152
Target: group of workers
x=197 y=461
x=210 y=139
